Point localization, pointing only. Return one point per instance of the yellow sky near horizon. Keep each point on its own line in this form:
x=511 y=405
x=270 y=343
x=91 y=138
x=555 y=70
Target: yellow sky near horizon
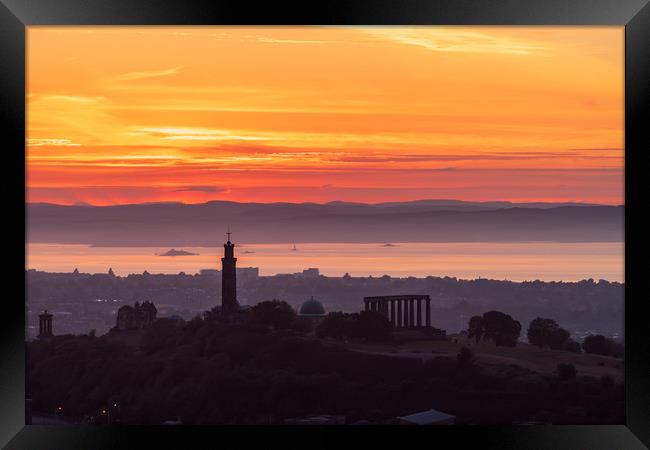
x=137 y=114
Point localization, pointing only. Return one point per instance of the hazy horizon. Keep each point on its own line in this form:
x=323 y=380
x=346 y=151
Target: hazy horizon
x=338 y=201
x=469 y=260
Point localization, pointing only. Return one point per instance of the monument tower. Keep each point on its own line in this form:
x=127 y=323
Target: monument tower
x=45 y=325
x=228 y=278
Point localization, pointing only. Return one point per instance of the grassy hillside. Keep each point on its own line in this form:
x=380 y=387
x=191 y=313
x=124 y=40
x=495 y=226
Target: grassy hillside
x=542 y=361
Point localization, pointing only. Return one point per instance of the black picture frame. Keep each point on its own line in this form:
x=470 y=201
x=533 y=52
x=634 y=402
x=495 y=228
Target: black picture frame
x=16 y=15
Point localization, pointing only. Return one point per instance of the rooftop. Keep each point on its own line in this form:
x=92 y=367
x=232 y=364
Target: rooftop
x=429 y=417
x=312 y=308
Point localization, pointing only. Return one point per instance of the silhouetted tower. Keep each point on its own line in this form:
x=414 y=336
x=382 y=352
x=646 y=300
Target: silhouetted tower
x=228 y=278
x=44 y=325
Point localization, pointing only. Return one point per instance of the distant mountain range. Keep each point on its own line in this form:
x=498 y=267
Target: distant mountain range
x=178 y=224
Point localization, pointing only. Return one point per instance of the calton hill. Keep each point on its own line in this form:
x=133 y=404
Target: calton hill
x=269 y=365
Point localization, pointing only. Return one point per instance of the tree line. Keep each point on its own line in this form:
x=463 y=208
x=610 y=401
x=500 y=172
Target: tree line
x=503 y=330
x=495 y=326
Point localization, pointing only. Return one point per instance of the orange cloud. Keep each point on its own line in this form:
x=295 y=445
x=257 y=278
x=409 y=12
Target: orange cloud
x=277 y=113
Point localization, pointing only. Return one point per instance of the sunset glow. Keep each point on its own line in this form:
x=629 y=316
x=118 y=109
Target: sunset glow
x=316 y=114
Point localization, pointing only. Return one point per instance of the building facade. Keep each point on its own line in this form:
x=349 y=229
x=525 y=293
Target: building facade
x=136 y=317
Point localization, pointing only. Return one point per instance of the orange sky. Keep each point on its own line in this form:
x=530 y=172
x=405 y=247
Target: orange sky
x=140 y=114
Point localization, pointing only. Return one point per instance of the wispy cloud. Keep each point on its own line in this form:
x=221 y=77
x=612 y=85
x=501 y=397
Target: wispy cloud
x=454 y=40
x=70 y=98
x=268 y=40
x=201 y=189
x=600 y=149
x=196 y=134
x=484 y=156
x=51 y=143
x=147 y=74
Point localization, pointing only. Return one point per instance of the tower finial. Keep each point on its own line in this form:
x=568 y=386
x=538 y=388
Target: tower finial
x=228 y=233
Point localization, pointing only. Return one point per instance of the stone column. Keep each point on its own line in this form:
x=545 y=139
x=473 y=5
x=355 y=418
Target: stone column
x=412 y=312
x=428 y=316
x=399 y=313
x=419 y=312
x=366 y=305
x=392 y=312
x=406 y=313
x=409 y=313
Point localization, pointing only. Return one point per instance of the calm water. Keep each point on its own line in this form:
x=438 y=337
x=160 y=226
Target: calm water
x=512 y=261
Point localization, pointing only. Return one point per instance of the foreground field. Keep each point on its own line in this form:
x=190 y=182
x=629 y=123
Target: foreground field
x=543 y=361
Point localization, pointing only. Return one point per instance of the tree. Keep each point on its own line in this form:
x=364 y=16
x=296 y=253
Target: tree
x=557 y=339
x=601 y=345
x=572 y=346
x=302 y=325
x=540 y=330
x=334 y=325
x=475 y=328
x=372 y=326
x=368 y=325
x=617 y=349
x=276 y=313
x=547 y=333
x=159 y=335
x=501 y=328
x=465 y=358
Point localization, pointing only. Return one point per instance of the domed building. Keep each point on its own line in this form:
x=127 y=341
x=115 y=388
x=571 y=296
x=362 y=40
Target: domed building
x=312 y=308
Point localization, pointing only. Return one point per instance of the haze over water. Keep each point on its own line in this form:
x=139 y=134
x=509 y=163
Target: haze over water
x=520 y=261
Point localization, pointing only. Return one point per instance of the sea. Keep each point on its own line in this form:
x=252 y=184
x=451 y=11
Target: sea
x=514 y=261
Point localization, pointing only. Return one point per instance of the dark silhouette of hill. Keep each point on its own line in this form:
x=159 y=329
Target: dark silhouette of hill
x=178 y=224
x=204 y=373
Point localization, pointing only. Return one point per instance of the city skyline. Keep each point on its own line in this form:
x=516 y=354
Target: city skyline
x=315 y=114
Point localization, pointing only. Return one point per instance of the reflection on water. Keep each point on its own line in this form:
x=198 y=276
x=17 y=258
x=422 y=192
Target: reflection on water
x=513 y=261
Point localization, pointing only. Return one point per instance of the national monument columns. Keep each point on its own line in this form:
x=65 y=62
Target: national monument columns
x=403 y=311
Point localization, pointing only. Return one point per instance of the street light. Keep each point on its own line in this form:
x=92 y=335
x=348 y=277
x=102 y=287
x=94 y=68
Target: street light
x=107 y=413
x=117 y=409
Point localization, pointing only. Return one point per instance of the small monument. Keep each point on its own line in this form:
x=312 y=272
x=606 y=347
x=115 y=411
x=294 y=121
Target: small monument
x=45 y=325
